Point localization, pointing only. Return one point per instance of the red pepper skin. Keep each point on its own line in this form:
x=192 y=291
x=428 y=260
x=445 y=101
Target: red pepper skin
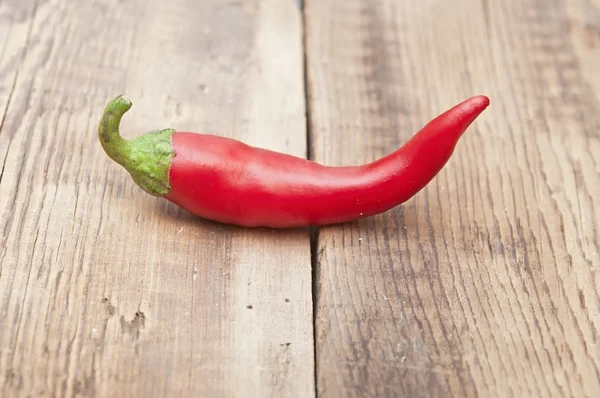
x=225 y=180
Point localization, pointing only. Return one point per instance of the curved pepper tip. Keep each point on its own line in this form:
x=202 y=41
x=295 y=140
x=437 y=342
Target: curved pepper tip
x=479 y=102
x=470 y=109
x=482 y=100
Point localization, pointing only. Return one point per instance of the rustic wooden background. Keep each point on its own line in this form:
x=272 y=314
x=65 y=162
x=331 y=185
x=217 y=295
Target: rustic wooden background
x=484 y=284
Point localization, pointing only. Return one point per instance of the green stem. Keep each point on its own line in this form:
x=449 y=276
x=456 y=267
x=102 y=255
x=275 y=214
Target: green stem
x=147 y=158
x=117 y=148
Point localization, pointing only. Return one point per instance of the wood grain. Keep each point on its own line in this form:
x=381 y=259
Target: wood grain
x=106 y=291
x=486 y=283
x=15 y=23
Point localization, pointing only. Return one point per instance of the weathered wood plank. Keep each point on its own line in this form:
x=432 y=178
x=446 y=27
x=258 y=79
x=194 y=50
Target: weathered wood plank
x=106 y=291
x=486 y=283
x=15 y=25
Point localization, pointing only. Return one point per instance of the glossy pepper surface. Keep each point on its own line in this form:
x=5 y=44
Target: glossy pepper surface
x=228 y=181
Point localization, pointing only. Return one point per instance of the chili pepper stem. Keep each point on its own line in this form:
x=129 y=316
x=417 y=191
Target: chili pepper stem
x=146 y=158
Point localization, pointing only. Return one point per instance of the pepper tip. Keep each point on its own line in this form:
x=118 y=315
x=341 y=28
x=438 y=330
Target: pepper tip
x=480 y=101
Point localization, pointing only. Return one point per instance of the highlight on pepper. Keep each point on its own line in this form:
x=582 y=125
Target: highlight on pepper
x=228 y=181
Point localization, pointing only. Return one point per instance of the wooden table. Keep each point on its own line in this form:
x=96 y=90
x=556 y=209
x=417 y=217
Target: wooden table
x=485 y=284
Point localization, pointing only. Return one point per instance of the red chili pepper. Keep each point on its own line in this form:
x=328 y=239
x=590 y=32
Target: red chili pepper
x=225 y=180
